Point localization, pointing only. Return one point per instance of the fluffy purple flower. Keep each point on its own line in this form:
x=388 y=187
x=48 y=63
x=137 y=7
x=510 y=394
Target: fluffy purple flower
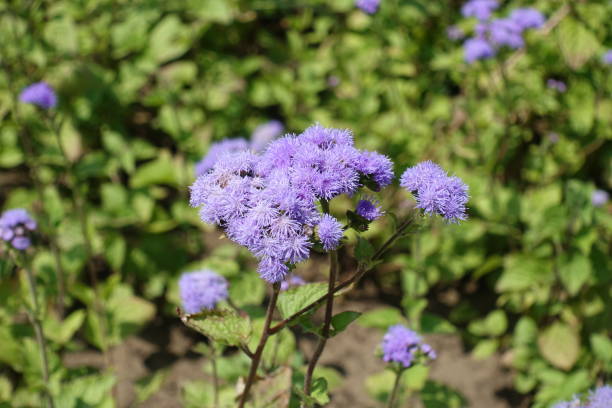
x=292 y=281
x=368 y=6
x=505 y=31
x=369 y=209
x=557 y=85
x=202 y=290
x=607 y=57
x=265 y=133
x=528 y=18
x=480 y=9
x=600 y=397
x=330 y=232
x=477 y=48
x=436 y=192
x=401 y=345
x=15 y=228
x=454 y=33
x=216 y=151
x=376 y=166
x=40 y=94
x=599 y=198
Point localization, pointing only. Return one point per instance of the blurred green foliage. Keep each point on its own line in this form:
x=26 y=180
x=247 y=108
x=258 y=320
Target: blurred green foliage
x=146 y=86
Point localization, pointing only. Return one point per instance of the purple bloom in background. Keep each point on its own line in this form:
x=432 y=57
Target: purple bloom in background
x=481 y=9
x=607 y=57
x=265 y=133
x=333 y=81
x=505 y=31
x=292 y=281
x=217 y=150
x=528 y=18
x=368 y=6
x=40 y=94
x=553 y=137
x=401 y=345
x=600 y=397
x=330 y=232
x=202 y=290
x=454 y=33
x=599 y=198
x=477 y=48
x=556 y=85
x=436 y=192
x=15 y=228
x=369 y=209
x=574 y=403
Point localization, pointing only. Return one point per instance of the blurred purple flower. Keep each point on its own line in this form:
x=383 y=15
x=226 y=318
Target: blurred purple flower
x=528 y=18
x=202 y=290
x=216 y=151
x=607 y=57
x=505 y=31
x=15 y=228
x=292 y=281
x=553 y=137
x=368 y=6
x=477 y=48
x=333 y=81
x=481 y=9
x=599 y=198
x=265 y=133
x=369 y=208
x=401 y=345
x=601 y=397
x=556 y=85
x=40 y=94
x=454 y=33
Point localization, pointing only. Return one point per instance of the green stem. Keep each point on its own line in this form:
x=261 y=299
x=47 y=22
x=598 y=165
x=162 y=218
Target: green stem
x=213 y=364
x=395 y=391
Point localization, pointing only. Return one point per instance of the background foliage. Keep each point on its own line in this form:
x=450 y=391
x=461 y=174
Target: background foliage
x=146 y=86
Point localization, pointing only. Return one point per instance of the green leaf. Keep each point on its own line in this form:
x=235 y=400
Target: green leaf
x=574 y=272
x=149 y=385
x=435 y=395
x=272 y=391
x=381 y=318
x=162 y=170
x=602 y=347
x=363 y=250
x=577 y=43
x=560 y=345
x=494 y=324
x=319 y=391
x=581 y=106
x=70 y=325
x=169 y=39
x=431 y=323
x=485 y=349
x=522 y=272
x=342 y=320
x=295 y=299
x=224 y=326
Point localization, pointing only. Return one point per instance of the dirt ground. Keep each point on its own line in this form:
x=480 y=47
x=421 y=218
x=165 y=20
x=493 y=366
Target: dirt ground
x=484 y=383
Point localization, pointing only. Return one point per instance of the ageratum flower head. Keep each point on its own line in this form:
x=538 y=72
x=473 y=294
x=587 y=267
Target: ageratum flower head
x=369 y=208
x=330 y=232
x=217 y=150
x=607 y=57
x=527 y=18
x=454 y=33
x=15 y=228
x=40 y=94
x=480 y=9
x=505 y=31
x=600 y=397
x=368 y=6
x=435 y=191
x=292 y=281
x=557 y=85
x=202 y=290
x=477 y=48
x=599 y=198
x=402 y=345
x=268 y=202
x=265 y=133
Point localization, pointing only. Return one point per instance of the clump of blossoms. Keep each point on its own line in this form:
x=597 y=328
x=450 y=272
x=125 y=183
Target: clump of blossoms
x=607 y=57
x=269 y=202
x=599 y=198
x=40 y=94
x=556 y=85
x=202 y=290
x=265 y=133
x=368 y=6
x=292 y=281
x=493 y=34
x=404 y=346
x=600 y=397
x=16 y=225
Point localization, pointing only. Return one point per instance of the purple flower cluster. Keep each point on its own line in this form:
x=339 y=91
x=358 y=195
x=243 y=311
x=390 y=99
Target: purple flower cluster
x=368 y=6
x=556 y=85
x=436 y=192
x=292 y=281
x=607 y=57
x=454 y=33
x=369 y=208
x=599 y=198
x=402 y=345
x=40 y=94
x=268 y=202
x=261 y=137
x=601 y=397
x=15 y=227
x=202 y=290
x=491 y=35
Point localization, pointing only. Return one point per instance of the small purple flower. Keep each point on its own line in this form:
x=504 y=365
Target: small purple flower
x=333 y=81
x=599 y=198
x=436 y=192
x=202 y=290
x=401 y=345
x=368 y=6
x=477 y=48
x=553 y=137
x=216 y=151
x=376 y=166
x=505 y=31
x=454 y=33
x=480 y=9
x=607 y=57
x=574 y=403
x=292 y=281
x=272 y=270
x=330 y=232
x=557 y=85
x=600 y=397
x=40 y=94
x=265 y=133
x=15 y=228
x=528 y=18
x=369 y=209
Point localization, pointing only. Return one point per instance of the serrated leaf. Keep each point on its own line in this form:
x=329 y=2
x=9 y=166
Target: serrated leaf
x=560 y=345
x=577 y=42
x=295 y=299
x=224 y=326
x=522 y=272
x=574 y=272
x=342 y=320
